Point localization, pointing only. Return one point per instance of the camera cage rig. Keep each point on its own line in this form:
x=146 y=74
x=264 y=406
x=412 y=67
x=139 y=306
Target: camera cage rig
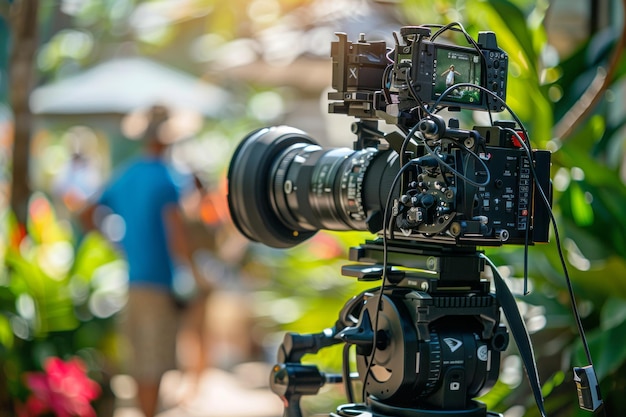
x=428 y=340
x=449 y=196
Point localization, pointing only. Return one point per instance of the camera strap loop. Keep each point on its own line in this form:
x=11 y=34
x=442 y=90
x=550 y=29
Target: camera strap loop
x=520 y=334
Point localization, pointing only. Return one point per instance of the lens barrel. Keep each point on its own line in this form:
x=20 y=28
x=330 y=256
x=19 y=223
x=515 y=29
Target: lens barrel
x=283 y=187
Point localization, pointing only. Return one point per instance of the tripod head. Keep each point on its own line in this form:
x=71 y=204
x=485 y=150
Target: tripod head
x=426 y=343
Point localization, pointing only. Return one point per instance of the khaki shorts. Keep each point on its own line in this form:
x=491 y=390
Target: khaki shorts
x=148 y=326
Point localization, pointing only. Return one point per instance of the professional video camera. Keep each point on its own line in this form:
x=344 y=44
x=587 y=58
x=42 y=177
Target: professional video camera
x=459 y=186
x=428 y=340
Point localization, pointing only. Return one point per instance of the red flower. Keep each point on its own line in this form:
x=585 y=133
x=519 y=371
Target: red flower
x=63 y=389
x=325 y=246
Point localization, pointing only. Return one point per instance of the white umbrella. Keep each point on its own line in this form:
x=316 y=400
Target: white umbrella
x=125 y=84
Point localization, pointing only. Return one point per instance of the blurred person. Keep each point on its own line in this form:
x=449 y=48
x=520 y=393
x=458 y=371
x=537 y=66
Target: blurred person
x=201 y=224
x=234 y=334
x=144 y=198
x=77 y=181
x=218 y=254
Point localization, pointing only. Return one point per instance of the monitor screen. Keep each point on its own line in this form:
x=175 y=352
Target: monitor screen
x=454 y=66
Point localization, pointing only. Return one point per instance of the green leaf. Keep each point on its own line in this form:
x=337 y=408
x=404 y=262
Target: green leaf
x=608 y=349
x=93 y=252
x=6 y=333
x=521 y=44
x=581 y=209
x=613 y=313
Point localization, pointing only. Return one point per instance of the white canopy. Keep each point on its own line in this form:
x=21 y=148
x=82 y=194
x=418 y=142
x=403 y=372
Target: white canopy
x=125 y=84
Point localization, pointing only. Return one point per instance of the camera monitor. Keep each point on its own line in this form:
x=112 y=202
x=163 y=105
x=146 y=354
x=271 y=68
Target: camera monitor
x=440 y=67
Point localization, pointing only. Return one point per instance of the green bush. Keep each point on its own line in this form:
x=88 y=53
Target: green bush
x=57 y=297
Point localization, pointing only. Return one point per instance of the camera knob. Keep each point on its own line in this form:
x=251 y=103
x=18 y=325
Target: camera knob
x=432 y=127
x=414 y=30
x=427 y=200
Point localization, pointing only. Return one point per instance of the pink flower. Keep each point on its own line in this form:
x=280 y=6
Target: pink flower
x=63 y=389
x=325 y=246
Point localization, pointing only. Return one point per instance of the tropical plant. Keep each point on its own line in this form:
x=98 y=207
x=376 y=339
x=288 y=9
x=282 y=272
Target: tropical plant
x=568 y=107
x=56 y=301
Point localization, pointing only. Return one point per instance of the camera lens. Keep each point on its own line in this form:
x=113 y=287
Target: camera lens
x=283 y=187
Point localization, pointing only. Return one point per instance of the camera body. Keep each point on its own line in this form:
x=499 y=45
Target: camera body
x=479 y=186
x=371 y=85
x=490 y=198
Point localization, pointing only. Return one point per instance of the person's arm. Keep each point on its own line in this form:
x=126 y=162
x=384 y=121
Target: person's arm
x=86 y=217
x=89 y=214
x=174 y=226
x=178 y=244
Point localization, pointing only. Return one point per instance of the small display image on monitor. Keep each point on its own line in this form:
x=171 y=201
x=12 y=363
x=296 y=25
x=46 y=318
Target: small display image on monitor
x=453 y=67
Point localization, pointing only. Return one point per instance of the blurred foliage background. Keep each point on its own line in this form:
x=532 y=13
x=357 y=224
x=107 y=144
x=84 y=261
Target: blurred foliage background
x=269 y=60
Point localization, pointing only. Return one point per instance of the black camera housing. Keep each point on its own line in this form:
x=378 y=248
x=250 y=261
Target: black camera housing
x=498 y=201
x=451 y=186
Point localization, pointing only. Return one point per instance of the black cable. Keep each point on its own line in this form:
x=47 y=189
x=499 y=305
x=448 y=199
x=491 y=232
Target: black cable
x=525 y=144
x=384 y=81
x=405 y=143
x=347 y=381
x=421 y=104
x=388 y=205
x=435 y=155
x=455 y=27
x=526 y=147
x=557 y=237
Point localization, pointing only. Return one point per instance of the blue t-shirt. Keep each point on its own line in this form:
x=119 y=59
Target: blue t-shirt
x=140 y=194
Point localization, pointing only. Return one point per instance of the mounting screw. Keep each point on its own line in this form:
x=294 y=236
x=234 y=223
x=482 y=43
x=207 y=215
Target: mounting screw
x=431 y=263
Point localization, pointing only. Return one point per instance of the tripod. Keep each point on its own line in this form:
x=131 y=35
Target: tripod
x=427 y=342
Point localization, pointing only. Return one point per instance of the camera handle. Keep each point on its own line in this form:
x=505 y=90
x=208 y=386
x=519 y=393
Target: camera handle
x=368 y=135
x=290 y=379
